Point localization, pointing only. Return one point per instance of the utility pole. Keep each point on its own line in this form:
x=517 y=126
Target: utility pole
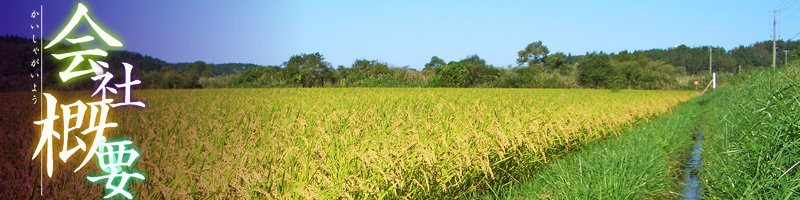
x=710 y=53
x=774 y=35
x=786 y=51
x=785 y=56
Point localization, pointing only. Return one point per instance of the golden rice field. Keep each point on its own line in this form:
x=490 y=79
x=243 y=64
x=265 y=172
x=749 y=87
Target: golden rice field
x=326 y=143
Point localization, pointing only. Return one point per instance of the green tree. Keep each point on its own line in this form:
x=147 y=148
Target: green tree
x=435 y=62
x=555 y=61
x=196 y=67
x=309 y=70
x=209 y=70
x=453 y=74
x=479 y=71
x=595 y=70
x=370 y=68
x=171 y=79
x=533 y=54
x=362 y=70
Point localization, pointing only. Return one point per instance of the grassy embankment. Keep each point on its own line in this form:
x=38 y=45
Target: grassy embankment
x=751 y=148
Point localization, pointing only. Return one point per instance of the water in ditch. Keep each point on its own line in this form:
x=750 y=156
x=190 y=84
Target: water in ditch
x=691 y=189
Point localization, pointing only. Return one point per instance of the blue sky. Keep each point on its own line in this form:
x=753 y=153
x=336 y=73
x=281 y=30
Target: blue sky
x=408 y=33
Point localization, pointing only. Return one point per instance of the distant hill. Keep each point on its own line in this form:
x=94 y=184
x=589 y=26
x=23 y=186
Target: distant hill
x=16 y=54
x=220 y=69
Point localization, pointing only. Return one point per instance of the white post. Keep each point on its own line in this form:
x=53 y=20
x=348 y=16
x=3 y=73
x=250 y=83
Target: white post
x=714 y=79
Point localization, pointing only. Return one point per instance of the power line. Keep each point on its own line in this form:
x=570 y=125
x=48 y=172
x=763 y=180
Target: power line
x=791 y=9
x=789 y=5
x=779 y=5
x=795 y=35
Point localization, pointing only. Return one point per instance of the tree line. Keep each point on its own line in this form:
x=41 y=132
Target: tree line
x=536 y=67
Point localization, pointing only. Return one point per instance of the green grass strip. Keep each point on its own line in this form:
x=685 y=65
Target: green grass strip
x=645 y=162
x=752 y=150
